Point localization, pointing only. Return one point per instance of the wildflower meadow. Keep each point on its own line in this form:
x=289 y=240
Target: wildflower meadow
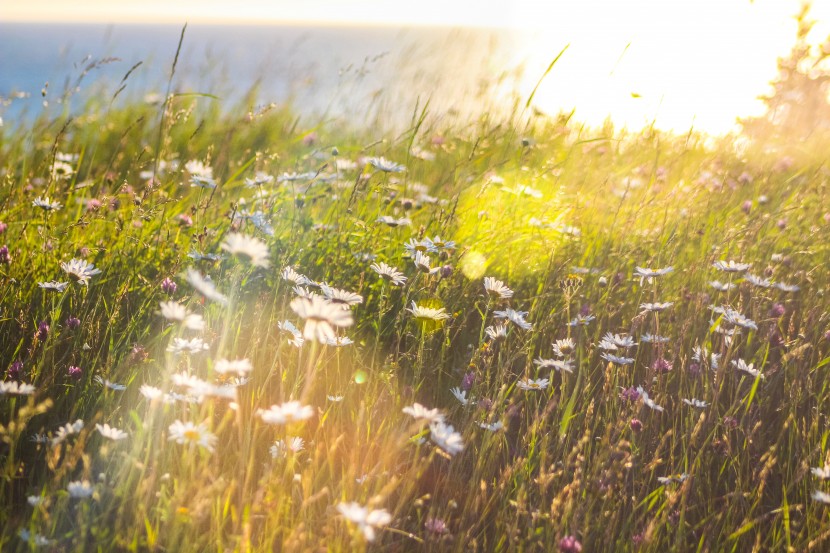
x=224 y=328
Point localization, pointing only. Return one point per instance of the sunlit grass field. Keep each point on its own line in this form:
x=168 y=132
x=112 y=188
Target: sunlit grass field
x=265 y=388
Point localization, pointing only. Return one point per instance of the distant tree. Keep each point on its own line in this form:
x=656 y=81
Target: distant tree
x=799 y=105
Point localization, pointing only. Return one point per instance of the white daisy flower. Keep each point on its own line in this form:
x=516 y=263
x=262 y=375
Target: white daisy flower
x=461 y=396
x=563 y=348
x=80 y=489
x=422 y=263
x=341 y=297
x=111 y=432
x=649 y=274
x=496 y=332
x=700 y=404
x=530 y=384
x=757 y=281
x=581 y=320
x=367 y=521
x=647 y=401
x=296 y=339
x=14 y=388
x=339 y=341
x=288 y=412
x=617 y=360
x=424 y=246
x=733 y=317
x=515 y=317
x=445 y=437
x=424 y=314
x=389 y=273
x=199 y=256
x=731 y=266
x=46 y=204
x=496 y=288
x=787 y=287
x=259 y=179
x=321 y=317
x=253 y=249
x=205 y=287
x=150 y=392
x=108 y=384
x=558 y=364
x=193 y=434
x=283 y=448
x=174 y=311
x=67 y=430
x=182 y=345
x=53 y=285
x=654 y=339
x=613 y=342
x=679 y=478
x=334 y=399
x=393 y=221
x=419 y=412
x=820 y=496
x=239 y=367
x=822 y=473
x=656 y=307
x=80 y=270
x=38 y=539
x=383 y=164
x=748 y=368
x=722 y=286
x=491 y=426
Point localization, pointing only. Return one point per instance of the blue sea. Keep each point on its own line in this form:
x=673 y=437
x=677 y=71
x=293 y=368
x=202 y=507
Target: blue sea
x=356 y=73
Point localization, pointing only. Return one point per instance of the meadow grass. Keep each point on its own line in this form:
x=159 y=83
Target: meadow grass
x=567 y=218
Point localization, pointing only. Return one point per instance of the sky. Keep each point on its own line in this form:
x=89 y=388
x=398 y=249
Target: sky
x=682 y=63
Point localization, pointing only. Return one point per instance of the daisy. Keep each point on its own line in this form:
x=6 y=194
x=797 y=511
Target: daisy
x=679 y=478
x=491 y=426
x=424 y=246
x=820 y=496
x=731 y=266
x=558 y=364
x=617 y=360
x=748 y=368
x=439 y=244
x=422 y=263
x=80 y=489
x=497 y=332
x=181 y=345
x=150 y=392
x=296 y=339
x=198 y=168
x=67 y=430
x=367 y=521
x=700 y=404
x=721 y=286
x=649 y=274
x=612 y=342
x=334 y=399
x=283 y=448
x=757 y=281
x=14 y=388
x=787 y=287
x=111 y=432
x=38 y=539
x=80 y=270
x=198 y=181
x=461 y=396
x=445 y=437
x=389 y=274
x=35 y=500
x=653 y=339
x=822 y=473
x=46 y=204
x=394 y=222
x=339 y=341
x=205 y=287
x=341 y=297
x=241 y=245
x=259 y=179
x=198 y=388
x=424 y=314
x=174 y=311
x=530 y=384
x=581 y=320
x=198 y=256
x=563 y=348
x=383 y=164
x=497 y=289
x=656 y=307
x=53 y=285
x=647 y=401
x=515 y=317
x=287 y=412
x=320 y=317
x=239 y=367
x=419 y=412
x=111 y=385
x=189 y=433
x=303 y=292
x=733 y=317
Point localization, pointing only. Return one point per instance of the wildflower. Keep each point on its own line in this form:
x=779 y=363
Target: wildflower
x=461 y=396
x=515 y=317
x=259 y=179
x=80 y=270
x=46 y=204
x=661 y=365
x=198 y=256
x=14 y=388
x=467 y=381
x=787 y=287
x=367 y=521
x=700 y=404
x=653 y=339
x=497 y=332
x=757 y=281
x=5 y=256
x=291 y=445
x=581 y=320
x=389 y=274
x=241 y=245
x=80 y=489
x=423 y=246
x=287 y=412
x=38 y=539
x=424 y=314
x=34 y=500
x=436 y=526
x=613 y=342
x=72 y=323
x=199 y=389
x=182 y=345
x=74 y=372
x=630 y=394
x=491 y=426
x=731 y=266
x=150 y=392
x=569 y=544
x=67 y=430
x=617 y=360
x=530 y=384
x=636 y=425
x=445 y=437
x=748 y=368
x=746 y=207
x=174 y=311
x=339 y=341
x=240 y=367
x=422 y=263
x=777 y=310
x=649 y=274
x=721 y=286
x=733 y=317
x=296 y=336
x=419 y=412
x=168 y=286
x=320 y=317
x=341 y=297
x=394 y=222
x=822 y=473
x=205 y=287
x=558 y=364
x=53 y=285
x=111 y=385
x=110 y=432
x=679 y=478
x=385 y=165
x=14 y=371
x=334 y=399
x=193 y=434
x=289 y=274
x=497 y=289
x=563 y=348
x=656 y=307
x=820 y=496
x=647 y=401
x=439 y=244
